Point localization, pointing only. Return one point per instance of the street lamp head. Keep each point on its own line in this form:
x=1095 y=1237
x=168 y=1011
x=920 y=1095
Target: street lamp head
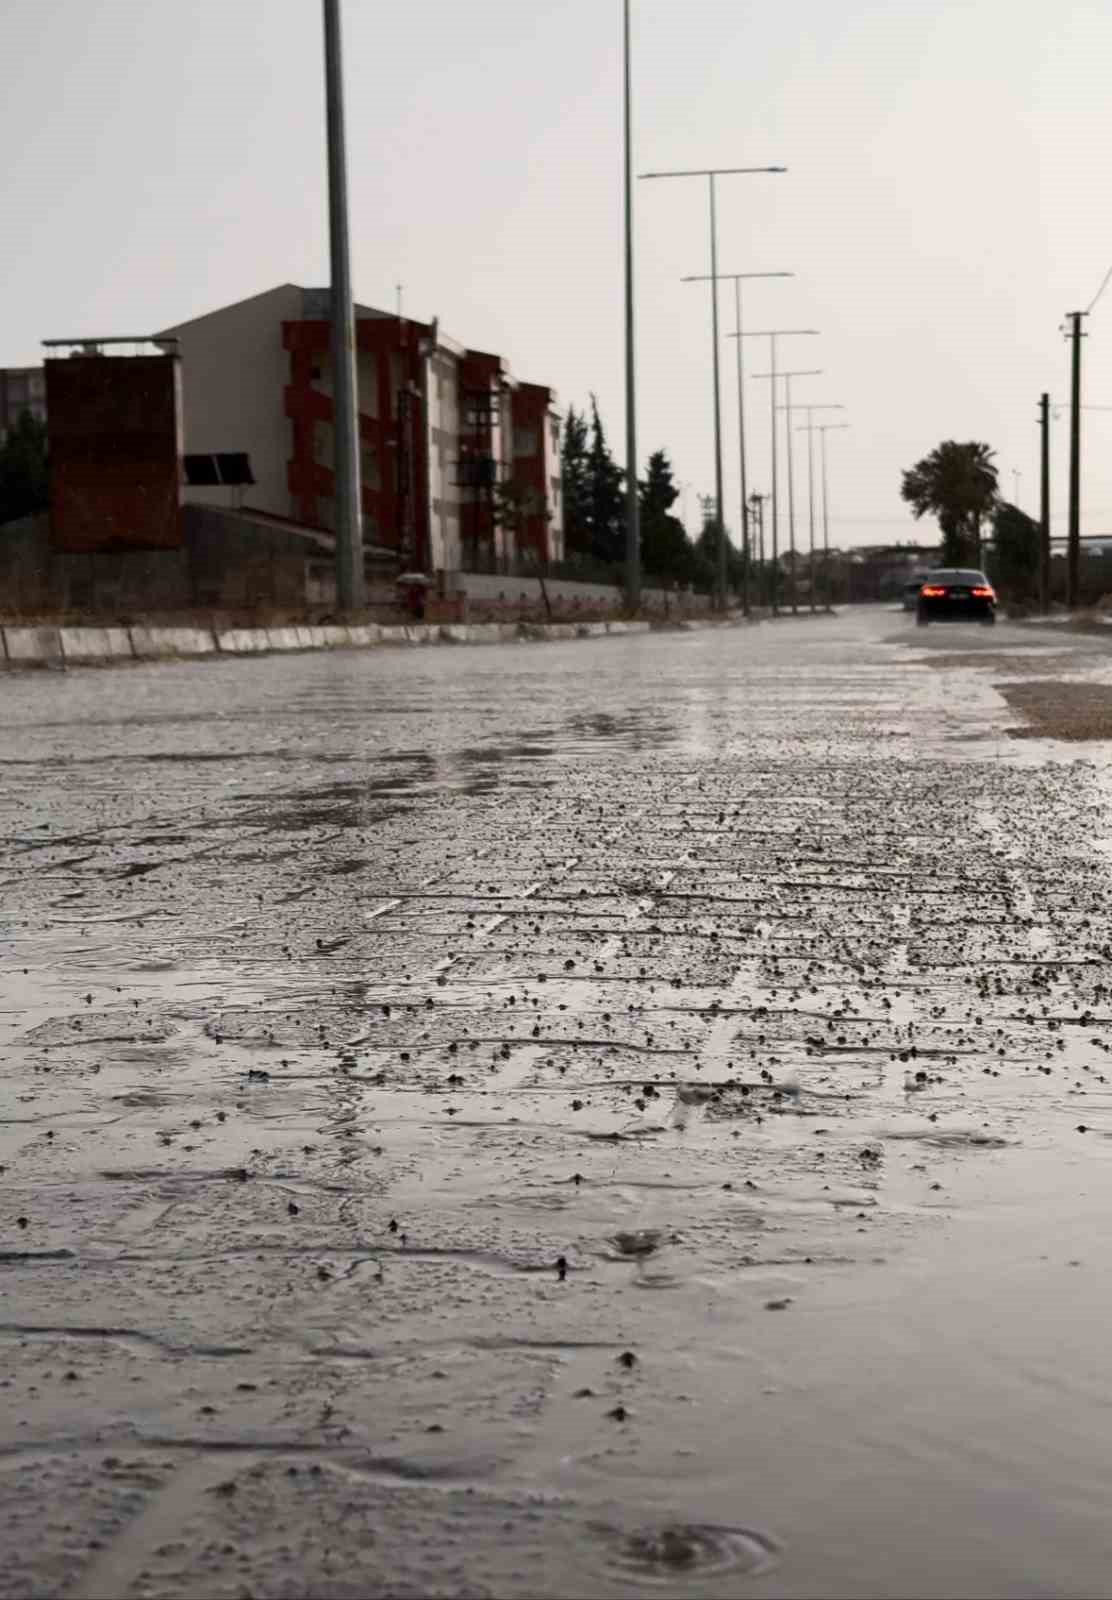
x=770 y=333
x=733 y=277
x=708 y=172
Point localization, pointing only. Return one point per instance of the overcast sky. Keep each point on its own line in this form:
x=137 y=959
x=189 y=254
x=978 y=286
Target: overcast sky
x=947 y=202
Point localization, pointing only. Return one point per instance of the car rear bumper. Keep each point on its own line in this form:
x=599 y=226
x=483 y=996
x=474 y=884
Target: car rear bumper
x=957 y=610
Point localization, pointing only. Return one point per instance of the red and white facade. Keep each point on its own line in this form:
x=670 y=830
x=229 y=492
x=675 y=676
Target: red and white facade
x=442 y=429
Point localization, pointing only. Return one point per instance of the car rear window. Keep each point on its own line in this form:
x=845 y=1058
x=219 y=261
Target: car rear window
x=960 y=576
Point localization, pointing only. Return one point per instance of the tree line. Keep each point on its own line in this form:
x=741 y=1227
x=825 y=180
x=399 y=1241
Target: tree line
x=23 y=469
x=594 y=488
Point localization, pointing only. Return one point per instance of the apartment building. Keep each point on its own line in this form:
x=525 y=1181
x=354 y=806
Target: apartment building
x=460 y=460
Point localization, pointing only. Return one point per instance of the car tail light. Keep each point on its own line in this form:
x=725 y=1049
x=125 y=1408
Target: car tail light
x=984 y=594
x=931 y=591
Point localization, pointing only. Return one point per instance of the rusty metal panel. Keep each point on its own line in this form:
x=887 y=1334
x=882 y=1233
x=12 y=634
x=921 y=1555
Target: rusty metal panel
x=115 y=439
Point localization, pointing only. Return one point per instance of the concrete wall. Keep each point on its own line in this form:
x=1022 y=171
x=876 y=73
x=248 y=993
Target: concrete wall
x=494 y=598
x=229 y=561
x=35 y=579
x=52 y=647
x=234 y=375
x=240 y=563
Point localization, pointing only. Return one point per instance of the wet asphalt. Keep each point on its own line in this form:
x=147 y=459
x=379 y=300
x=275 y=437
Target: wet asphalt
x=626 y=1117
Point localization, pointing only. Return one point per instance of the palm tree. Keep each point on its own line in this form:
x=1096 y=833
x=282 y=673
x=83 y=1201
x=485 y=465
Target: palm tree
x=957 y=483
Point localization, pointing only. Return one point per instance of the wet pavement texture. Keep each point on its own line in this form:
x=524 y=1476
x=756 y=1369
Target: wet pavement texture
x=619 y=1118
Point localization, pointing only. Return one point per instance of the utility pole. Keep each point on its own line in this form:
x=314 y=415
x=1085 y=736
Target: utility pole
x=1044 y=505
x=1073 y=555
x=351 y=587
x=633 y=508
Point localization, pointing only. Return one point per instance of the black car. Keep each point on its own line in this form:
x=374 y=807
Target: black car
x=955 y=594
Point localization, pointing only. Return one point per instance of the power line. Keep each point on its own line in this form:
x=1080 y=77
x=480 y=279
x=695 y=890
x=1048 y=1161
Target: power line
x=1103 y=286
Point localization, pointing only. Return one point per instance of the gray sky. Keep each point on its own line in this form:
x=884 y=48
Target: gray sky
x=946 y=204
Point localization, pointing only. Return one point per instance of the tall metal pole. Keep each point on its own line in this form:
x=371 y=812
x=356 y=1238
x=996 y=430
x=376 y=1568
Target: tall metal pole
x=775 y=497
x=745 y=552
x=1044 y=505
x=718 y=499
x=809 y=428
x=1073 y=558
x=811 y=502
x=757 y=518
x=710 y=173
x=746 y=542
x=351 y=589
x=823 y=429
x=825 y=519
x=791 y=485
x=633 y=508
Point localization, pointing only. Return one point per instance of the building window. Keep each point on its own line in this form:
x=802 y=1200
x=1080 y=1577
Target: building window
x=480 y=410
x=526 y=442
x=475 y=472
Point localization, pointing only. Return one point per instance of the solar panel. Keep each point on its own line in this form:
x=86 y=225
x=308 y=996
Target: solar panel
x=200 y=471
x=234 y=467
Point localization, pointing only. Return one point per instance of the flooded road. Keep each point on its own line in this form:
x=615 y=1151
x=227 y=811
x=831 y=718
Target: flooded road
x=621 y=1118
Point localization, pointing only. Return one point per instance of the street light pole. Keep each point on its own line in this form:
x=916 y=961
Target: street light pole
x=711 y=173
x=718 y=496
x=1044 y=504
x=772 y=334
x=809 y=428
x=351 y=588
x=811 y=512
x=1073 y=551
x=633 y=509
x=757 y=502
x=736 y=279
x=775 y=493
x=787 y=377
x=823 y=430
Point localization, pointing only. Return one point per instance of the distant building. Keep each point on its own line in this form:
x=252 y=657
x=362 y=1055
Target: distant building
x=879 y=572
x=21 y=389
x=114 y=435
x=448 y=438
